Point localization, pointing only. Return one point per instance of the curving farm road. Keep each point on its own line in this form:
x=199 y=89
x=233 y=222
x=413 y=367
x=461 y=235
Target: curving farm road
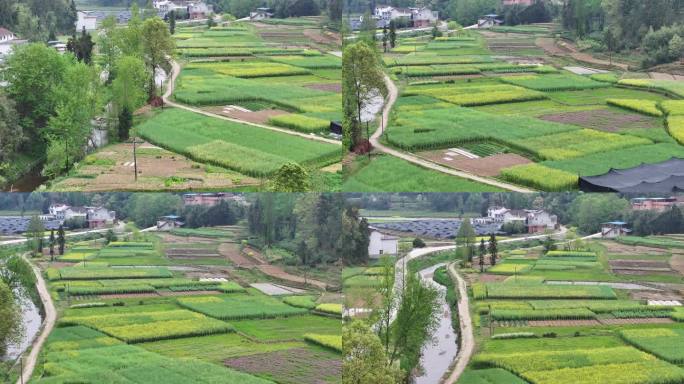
x=374 y=140
x=171 y=86
x=48 y=324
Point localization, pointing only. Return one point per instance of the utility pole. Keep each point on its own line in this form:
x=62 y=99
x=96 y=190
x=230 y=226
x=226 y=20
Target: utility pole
x=135 y=157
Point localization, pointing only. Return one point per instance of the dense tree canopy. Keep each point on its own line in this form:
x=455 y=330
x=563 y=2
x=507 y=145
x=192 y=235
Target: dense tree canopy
x=38 y=20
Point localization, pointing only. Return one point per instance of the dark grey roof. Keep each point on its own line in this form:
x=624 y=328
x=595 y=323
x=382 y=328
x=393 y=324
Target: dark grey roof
x=664 y=177
x=439 y=229
x=11 y=225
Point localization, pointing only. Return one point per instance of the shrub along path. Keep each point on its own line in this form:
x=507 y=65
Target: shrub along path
x=374 y=140
x=171 y=85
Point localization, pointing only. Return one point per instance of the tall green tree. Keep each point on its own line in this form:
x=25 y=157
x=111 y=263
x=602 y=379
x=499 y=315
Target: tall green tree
x=61 y=239
x=414 y=324
x=52 y=245
x=34 y=73
x=129 y=88
x=465 y=241
x=69 y=129
x=34 y=235
x=392 y=34
x=362 y=80
x=365 y=361
x=125 y=124
x=482 y=254
x=493 y=248
x=11 y=329
x=158 y=46
x=11 y=133
x=172 y=22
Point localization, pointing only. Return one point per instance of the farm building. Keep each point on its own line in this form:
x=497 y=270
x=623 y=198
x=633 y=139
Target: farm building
x=417 y=17
x=97 y=217
x=6 y=35
x=540 y=221
x=536 y=220
x=167 y=223
x=86 y=20
x=659 y=204
x=100 y=217
x=261 y=14
x=211 y=199
x=382 y=244
x=664 y=177
x=613 y=229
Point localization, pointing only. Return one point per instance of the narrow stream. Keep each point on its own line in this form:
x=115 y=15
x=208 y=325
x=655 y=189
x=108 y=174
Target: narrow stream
x=31 y=321
x=439 y=352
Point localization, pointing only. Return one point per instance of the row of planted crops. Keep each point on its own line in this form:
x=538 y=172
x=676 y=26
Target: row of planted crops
x=232 y=65
x=148 y=324
x=450 y=86
x=541 y=333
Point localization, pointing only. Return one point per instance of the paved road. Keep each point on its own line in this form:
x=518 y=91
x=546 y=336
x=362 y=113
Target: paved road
x=467 y=346
x=69 y=234
x=48 y=324
x=171 y=85
x=374 y=139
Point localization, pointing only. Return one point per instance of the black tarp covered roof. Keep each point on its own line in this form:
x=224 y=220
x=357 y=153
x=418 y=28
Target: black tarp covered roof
x=664 y=177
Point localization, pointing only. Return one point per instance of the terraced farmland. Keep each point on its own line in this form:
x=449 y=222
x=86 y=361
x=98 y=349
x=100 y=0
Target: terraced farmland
x=532 y=329
x=549 y=125
x=177 y=323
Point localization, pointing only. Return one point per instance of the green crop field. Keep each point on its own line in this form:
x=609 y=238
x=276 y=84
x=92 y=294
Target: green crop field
x=78 y=354
x=390 y=174
x=246 y=149
x=453 y=93
x=240 y=306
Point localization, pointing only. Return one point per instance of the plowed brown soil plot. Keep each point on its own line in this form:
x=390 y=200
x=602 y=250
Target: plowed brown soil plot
x=605 y=120
x=491 y=278
x=112 y=169
x=129 y=295
x=562 y=323
x=258 y=117
x=617 y=248
x=677 y=263
x=279 y=273
x=323 y=37
x=484 y=166
x=232 y=252
x=295 y=366
x=636 y=321
x=640 y=267
x=191 y=253
x=187 y=293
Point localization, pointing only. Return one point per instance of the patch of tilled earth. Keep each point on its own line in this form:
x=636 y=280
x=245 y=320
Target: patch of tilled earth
x=295 y=366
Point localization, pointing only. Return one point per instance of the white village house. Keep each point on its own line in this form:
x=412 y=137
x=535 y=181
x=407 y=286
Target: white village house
x=382 y=244
x=419 y=17
x=169 y=222
x=613 y=229
x=97 y=217
x=6 y=35
x=536 y=220
x=86 y=20
x=261 y=14
x=193 y=9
